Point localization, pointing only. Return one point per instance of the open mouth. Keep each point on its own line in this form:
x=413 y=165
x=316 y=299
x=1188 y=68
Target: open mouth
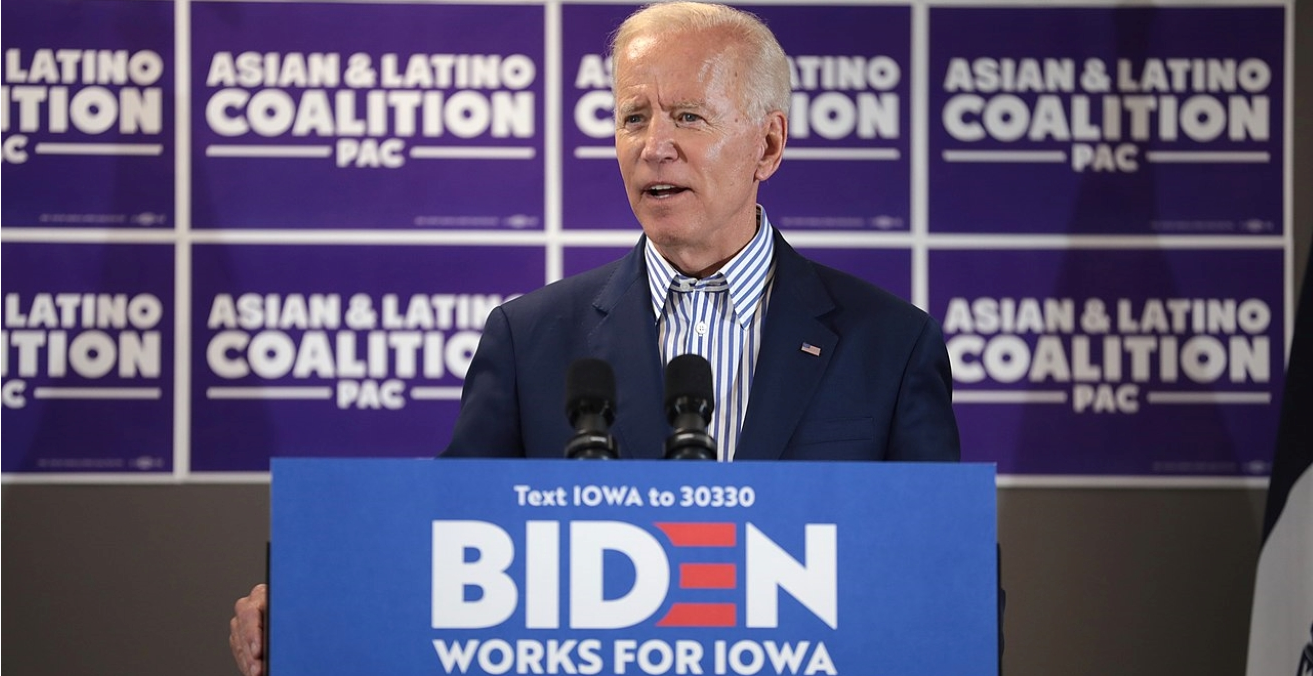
x=661 y=190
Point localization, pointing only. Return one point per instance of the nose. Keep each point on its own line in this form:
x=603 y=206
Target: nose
x=659 y=141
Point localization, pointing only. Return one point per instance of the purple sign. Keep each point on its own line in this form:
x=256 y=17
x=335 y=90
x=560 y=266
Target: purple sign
x=1114 y=362
x=338 y=351
x=577 y=259
x=87 y=363
x=406 y=116
x=889 y=269
x=1126 y=120
x=592 y=193
x=846 y=163
x=88 y=114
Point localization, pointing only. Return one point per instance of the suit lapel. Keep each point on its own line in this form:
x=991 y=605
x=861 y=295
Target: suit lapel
x=625 y=336
x=787 y=372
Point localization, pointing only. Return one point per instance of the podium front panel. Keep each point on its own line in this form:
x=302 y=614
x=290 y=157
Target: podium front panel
x=632 y=567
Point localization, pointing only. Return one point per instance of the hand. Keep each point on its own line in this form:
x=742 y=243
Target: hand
x=246 y=631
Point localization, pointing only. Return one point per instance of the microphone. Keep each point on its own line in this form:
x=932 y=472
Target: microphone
x=690 y=399
x=589 y=391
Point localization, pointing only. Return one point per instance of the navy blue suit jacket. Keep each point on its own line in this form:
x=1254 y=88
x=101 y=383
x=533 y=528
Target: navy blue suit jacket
x=880 y=389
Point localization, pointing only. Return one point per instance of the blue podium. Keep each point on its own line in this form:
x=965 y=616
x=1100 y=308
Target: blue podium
x=424 y=567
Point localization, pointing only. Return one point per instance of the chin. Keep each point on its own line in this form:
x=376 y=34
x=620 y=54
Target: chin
x=667 y=229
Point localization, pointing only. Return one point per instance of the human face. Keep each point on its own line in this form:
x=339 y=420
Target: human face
x=690 y=155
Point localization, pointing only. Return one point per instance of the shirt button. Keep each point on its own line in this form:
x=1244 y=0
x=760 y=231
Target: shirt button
x=701 y=328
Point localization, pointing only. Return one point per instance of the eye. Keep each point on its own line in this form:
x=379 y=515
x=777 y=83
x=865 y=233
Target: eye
x=632 y=118
x=688 y=117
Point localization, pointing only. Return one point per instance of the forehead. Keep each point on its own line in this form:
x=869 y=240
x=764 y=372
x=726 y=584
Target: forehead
x=686 y=59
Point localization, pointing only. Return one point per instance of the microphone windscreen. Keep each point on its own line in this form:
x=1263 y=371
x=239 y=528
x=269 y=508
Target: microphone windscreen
x=588 y=385
x=689 y=375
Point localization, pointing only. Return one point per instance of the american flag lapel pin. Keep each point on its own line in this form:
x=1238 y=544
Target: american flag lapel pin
x=811 y=349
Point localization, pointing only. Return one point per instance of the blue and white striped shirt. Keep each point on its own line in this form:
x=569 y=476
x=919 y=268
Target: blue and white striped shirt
x=719 y=318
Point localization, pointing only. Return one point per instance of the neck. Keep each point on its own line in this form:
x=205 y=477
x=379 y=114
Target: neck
x=699 y=261
x=702 y=272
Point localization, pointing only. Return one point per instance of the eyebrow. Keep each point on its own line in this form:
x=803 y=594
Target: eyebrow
x=626 y=107
x=685 y=105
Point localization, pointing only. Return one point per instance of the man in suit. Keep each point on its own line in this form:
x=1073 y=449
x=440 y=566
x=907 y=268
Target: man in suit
x=810 y=363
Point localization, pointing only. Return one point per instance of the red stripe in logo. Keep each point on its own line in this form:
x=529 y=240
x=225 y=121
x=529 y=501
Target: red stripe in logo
x=707 y=575
x=699 y=615
x=700 y=534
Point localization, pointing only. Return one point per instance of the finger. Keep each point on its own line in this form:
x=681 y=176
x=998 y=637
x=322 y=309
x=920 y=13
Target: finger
x=259 y=607
x=245 y=638
x=240 y=648
x=250 y=620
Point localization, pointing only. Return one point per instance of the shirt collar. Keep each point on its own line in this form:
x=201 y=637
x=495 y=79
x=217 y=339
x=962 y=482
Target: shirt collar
x=747 y=274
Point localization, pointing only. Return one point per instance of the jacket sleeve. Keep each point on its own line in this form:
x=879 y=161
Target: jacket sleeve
x=488 y=424
x=924 y=427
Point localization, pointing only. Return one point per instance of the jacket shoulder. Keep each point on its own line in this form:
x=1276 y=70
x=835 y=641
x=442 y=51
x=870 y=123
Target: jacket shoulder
x=859 y=301
x=573 y=294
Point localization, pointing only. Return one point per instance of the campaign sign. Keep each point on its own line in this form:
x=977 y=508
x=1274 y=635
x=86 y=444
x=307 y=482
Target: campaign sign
x=592 y=193
x=1109 y=120
x=846 y=163
x=1114 y=362
x=577 y=259
x=87 y=120
x=646 y=568
x=87 y=364
x=367 y=115
x=889 y=269
x=328 y=350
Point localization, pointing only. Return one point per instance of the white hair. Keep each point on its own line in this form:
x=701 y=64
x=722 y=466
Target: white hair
x=766 y=87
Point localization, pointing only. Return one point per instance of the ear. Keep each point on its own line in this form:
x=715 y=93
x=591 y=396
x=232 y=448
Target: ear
x=772 y=148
